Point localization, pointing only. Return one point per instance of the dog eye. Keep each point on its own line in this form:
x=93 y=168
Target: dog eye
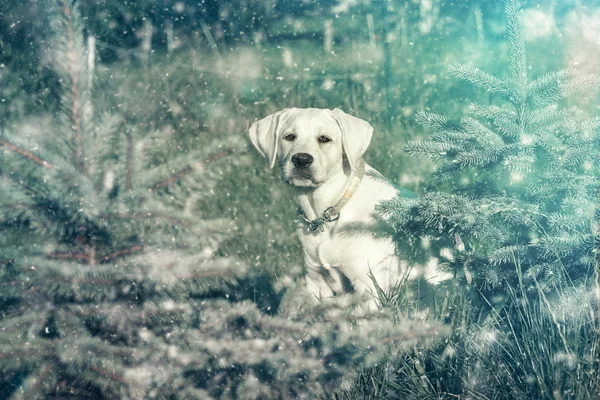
x=290 y=137
x=324 y=139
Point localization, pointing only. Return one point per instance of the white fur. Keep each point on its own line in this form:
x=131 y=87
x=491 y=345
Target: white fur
x=347 y=248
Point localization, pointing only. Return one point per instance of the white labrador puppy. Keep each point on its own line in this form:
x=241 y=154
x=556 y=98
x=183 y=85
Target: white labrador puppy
x=320 y=153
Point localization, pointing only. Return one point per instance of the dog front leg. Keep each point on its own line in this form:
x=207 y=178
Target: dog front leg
x=317 y=287
x=327 y=281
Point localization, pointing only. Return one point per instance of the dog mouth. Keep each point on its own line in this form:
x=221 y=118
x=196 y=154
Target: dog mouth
x=303 y=175
x=301 y=179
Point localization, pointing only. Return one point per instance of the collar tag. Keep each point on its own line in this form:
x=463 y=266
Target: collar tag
x=329 y=215
x=333 y=213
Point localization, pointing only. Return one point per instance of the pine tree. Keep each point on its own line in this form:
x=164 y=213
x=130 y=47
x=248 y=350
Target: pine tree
x=523 y=177
x=91 y=219
x=512 y=212
x=109 y=283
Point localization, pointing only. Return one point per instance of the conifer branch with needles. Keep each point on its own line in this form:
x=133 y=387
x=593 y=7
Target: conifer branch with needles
x=72 y=61
x=27 y=154
x=518 y=59
x=195 y=166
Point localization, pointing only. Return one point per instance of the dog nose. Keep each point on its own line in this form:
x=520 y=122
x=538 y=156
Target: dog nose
x=302 y=160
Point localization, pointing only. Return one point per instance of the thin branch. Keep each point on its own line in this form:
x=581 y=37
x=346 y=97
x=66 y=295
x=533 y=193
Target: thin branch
x=74 y=75
x=146 y=216
x=91 y=255
x=121 y=253
x=44 y=372
x=129 y=163
x=109 y=375
x=180 y=174
x=85 y=256
x=27 y=353
x=68 y=256
x=230 y=272
x=26 y=154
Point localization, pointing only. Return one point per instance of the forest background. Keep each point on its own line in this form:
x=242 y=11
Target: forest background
x=198 y=73
x=208 y=69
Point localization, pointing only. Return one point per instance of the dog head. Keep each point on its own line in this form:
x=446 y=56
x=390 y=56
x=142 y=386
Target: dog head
x=311 y=144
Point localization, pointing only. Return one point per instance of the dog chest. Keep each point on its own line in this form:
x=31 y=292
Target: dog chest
x=311 y=242
x=339 y=245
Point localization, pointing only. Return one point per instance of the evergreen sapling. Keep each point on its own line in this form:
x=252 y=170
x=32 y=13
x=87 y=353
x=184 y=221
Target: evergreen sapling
x=523 y=177
x=519 y=225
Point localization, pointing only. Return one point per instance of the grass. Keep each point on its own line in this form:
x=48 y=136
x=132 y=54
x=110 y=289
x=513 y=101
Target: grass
x=523 y=348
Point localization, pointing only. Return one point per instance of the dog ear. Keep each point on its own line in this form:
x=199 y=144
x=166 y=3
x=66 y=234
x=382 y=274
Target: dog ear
x=356 y=135
x=265 y=136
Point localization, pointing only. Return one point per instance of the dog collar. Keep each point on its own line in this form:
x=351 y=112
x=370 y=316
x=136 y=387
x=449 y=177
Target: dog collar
x=333 y=213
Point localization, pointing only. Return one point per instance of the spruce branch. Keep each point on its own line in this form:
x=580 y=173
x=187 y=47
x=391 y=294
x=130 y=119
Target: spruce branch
x=72 y=62
x=518 y=59
x=122 y=253
x=129 y=162
x=506 y=254
x=521 y=162
x=150 y=215
x=492 y=113
x=482 y=134
x=580 y=83
x=110 y=375
x=546 y=89
x=40 y=382
x=508 y=127
x=68 y=256
x=432 y=121
x=85 y=256
x=428 y=149
x=24 y=153
x=197 y=165
x=483 y=80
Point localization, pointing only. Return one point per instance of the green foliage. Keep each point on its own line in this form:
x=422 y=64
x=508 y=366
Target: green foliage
x=519 y=228
x=98 y=184
x=122 y=266
x=87 y=213
x=523 y=178
x=113 y=283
